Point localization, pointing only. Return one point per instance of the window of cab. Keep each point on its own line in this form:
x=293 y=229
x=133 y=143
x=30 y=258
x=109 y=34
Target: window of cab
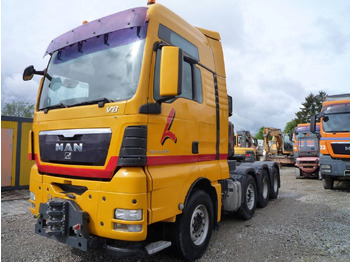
x=191 y=75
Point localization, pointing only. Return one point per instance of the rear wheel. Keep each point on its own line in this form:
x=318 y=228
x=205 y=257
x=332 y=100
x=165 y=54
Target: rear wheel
x=249 y=199
x=275 y=184
x=264 y=192
x=328 y=182
x=194 y=227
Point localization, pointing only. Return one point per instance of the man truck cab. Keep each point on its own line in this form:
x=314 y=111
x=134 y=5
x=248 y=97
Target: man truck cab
x=131 y=133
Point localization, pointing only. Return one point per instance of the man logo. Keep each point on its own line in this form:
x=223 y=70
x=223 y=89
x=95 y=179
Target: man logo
x=68 y=155
x=347 y=148
x=69 y=147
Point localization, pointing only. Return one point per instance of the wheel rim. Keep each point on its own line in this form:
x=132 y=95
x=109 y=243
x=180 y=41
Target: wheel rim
x=265 y=188
x=250 y=197
x=199 y=225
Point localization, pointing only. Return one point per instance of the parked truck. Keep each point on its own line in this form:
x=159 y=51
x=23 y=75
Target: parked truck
x=130 y=138
x=306 y=151
x=335 y=138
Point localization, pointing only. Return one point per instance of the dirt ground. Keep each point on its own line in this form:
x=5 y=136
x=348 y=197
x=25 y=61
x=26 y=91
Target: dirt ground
x=305 y=223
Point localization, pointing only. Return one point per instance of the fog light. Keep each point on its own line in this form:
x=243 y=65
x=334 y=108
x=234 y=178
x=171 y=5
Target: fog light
x=127 y=228
x=128 y=214
x=31 y=196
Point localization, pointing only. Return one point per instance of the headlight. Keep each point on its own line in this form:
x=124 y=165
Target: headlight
x=128 y=214
x=32 y=196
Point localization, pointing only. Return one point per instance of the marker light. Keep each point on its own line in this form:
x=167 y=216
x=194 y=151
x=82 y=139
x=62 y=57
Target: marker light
x=151 y=2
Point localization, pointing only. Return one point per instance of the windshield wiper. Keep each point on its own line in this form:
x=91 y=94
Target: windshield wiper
x=100 y=101
x=60 y=105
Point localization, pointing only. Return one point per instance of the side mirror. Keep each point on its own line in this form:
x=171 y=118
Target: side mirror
x=28 y=73
x=230 y=106
x=291 y=136
x=170 y=71
x=313 y=124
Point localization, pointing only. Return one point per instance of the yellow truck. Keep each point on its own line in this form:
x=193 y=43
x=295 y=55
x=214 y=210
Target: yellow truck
x=130 y=138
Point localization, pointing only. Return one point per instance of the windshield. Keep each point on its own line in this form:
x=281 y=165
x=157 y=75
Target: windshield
x=304 y=131
x=299 y=135
x=336 y=122
x=308 y=145
x=287 y=144
x=105 y=67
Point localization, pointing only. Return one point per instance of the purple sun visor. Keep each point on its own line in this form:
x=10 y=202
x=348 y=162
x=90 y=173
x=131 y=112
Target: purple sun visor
x=125 y=19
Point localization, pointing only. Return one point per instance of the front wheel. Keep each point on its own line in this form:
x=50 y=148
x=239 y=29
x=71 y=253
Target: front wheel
x=328 y=182
x=297 y=173
x=249 y=199
x=194 y=227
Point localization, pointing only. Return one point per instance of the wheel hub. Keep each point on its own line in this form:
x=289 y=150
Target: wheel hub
x=199 y=225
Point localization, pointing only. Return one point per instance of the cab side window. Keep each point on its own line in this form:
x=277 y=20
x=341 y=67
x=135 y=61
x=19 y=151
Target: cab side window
x=191 y=81
x=191 y=75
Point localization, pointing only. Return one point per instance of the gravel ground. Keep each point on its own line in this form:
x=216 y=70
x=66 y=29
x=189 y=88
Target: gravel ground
x=305 y=223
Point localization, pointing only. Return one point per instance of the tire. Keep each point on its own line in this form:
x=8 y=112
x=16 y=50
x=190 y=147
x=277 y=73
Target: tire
x=194 y=227
x=249 y=199
x=274 y=184
x=328 y=182
x=264 y=192
x=297 y=173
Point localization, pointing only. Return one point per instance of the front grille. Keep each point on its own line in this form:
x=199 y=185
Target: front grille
x=341 y=148
x=75 y=146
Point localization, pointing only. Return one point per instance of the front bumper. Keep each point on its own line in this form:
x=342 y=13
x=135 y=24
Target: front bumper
x=308 y=165
x=64 y=221
x=334 y=167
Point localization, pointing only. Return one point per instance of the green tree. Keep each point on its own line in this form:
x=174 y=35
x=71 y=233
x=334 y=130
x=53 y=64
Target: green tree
x=311 y=106
x=260 y=134
x=18 y=108
x=290 y=126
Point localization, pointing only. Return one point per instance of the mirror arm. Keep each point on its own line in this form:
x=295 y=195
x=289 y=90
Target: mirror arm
x=42 y=73
x=164 y=99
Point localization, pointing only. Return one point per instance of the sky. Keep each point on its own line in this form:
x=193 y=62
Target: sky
x=276 y=52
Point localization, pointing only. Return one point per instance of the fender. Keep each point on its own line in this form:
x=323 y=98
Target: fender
x=204 y=184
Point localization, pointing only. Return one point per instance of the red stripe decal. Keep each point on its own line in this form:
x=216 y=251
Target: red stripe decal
x=165 y=160
x=30 y=156
x=80 y=172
